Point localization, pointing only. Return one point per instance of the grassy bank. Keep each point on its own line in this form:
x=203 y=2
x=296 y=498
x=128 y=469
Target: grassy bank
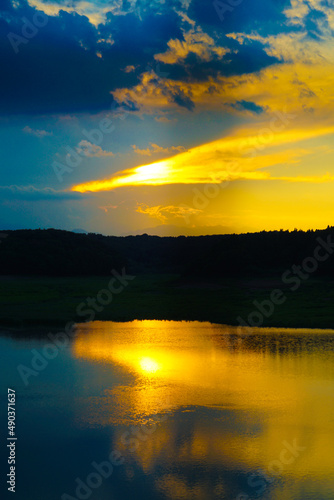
x=29 y=301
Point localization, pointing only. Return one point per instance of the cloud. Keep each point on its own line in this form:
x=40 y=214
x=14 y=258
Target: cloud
x=248 y=106
x=195 y=42
x=90 y=50
x=164 y=213
x=106 y=208
x=156 y=149
x=96 y=12
x=163 y=119
x=182 y=99
x=297 y=12
x=90 y=150
x=299 y=84
x=130 y=68
x=32 y=193
x=82 y=60
x=254 y=15
x=240 y=156
x=261 y=65
x=37 y=133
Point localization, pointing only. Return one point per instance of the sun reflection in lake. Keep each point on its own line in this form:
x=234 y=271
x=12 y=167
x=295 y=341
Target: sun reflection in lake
x=233 y=400
x=148 y=365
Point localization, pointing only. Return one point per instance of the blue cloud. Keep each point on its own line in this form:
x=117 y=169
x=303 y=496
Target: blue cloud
x=183 y=100
x=72 y=66
x=248 y=106
x=247 y=58
x=69 y=66
x=36 y=194
x=314 y=22
x=249 y=15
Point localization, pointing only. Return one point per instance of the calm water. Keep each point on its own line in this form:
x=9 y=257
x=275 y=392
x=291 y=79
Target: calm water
x=185 y=410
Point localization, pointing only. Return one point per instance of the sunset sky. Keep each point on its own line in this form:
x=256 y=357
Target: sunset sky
x=167 y=117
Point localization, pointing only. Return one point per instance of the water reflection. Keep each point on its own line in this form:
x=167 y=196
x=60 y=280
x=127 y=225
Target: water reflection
x=198 y=411
x=231 y=403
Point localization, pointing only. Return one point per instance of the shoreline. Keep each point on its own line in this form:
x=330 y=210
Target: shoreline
x=44 y=302
x=38 y=328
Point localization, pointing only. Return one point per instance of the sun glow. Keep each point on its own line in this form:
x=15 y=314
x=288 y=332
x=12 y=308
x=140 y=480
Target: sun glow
x=153 y=174
x=148 y=365
x=241 y=156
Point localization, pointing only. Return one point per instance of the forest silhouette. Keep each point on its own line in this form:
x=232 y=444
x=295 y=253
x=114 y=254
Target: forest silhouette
x=52 y=252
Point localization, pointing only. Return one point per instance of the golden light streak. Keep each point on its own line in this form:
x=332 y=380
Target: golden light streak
x=239 y=156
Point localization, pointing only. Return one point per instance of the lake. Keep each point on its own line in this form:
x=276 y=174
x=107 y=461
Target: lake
x=160 y=410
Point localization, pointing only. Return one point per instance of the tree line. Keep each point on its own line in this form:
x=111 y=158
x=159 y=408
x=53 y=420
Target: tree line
x=52 y=252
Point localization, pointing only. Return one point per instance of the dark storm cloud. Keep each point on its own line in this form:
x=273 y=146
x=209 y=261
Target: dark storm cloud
x=70 y=65
x=242 y=59
x=58 y=70
x=137 y=40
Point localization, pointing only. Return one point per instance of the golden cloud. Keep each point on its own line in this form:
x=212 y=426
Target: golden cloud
x=242 y=156
x=163 y=213
x=196 y=42
x=155 y=149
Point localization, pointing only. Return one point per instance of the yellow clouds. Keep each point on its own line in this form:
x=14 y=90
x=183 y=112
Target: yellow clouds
x=196 y=42
x=303 y=79
x=163 y=213
x=90 y=150
x=304 y=88
x=155 y=149
x=240 y=156
x=95 y=13
x=296 y=12
x=301 y=8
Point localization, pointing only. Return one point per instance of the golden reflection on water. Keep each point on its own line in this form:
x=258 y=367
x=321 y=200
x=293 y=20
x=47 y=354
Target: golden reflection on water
x=148 y=365
x=238 y=398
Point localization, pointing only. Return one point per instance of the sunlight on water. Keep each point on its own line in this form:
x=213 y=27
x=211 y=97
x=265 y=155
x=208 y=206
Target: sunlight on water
x=236 y=403
x=148 y=365
x=197 y=411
